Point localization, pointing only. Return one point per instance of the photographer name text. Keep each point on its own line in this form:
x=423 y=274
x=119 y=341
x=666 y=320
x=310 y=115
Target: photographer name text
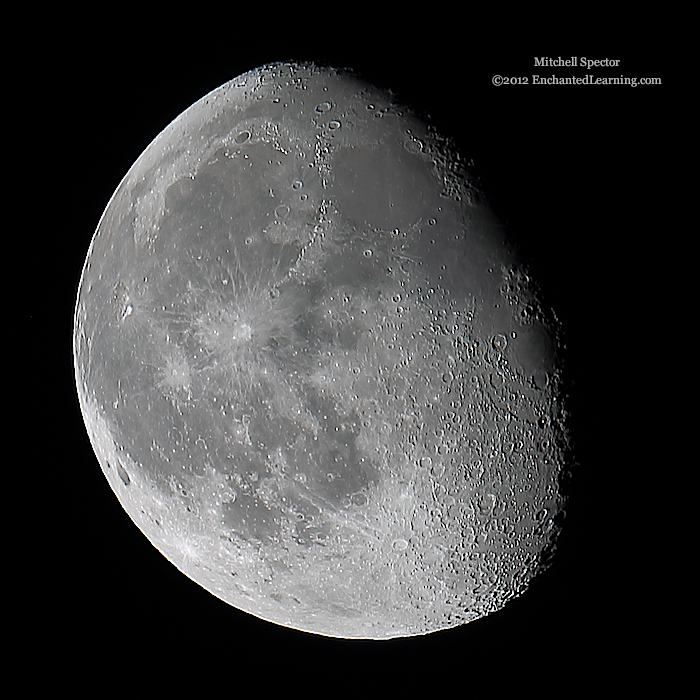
x=575 y=61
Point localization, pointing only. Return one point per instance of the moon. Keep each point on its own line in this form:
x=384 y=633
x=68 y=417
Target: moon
x=313 y=367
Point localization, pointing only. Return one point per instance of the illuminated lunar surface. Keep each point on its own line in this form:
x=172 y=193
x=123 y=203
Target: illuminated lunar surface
x=312 y=368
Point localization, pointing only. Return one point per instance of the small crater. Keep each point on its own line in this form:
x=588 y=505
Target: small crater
x=123 y=475
x=358 y=499
x=486 y=503
x=122 y=302
x=242 y=137
x=414 y=145
x=438 y=470
x=323 y=107
x=400 y=544
x=540 y=379
x=500 y=342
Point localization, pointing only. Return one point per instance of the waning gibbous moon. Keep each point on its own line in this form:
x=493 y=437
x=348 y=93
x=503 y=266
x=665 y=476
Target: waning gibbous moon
x=312 y=367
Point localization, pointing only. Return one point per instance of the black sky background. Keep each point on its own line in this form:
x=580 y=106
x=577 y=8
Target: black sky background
x=571 y=169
